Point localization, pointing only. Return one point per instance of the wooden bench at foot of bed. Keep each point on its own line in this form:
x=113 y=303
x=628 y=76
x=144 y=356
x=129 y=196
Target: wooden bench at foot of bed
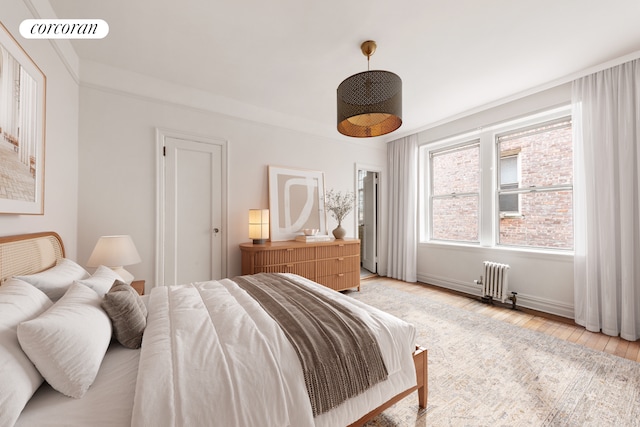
x=420 y=362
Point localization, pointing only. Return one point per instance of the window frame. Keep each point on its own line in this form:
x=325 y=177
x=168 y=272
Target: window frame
x=489 y=215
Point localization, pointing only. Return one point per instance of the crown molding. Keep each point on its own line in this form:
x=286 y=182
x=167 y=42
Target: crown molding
x=41 y=9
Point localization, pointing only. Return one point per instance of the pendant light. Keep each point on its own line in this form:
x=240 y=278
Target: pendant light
x=369 y=103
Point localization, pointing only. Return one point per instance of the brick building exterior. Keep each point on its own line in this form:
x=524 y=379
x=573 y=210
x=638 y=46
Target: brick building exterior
x=457 y=172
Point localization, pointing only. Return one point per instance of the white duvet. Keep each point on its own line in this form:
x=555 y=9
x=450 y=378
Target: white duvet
x=212 y=357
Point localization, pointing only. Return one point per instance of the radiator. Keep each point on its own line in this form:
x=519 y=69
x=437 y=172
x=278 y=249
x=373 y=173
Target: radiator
x=495 y=283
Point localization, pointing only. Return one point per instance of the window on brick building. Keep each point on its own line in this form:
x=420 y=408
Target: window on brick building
x=538 y=182
x=509 y=203
x=506 y=184
x=455 y=193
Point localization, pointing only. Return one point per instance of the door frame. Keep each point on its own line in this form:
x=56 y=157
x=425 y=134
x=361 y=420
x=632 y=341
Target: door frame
x=369 y=168
x=161 y=135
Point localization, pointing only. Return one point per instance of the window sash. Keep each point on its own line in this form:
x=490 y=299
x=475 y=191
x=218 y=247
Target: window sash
x=537 y=128
x=554 y=221
x=456 y=225
x=458 y=148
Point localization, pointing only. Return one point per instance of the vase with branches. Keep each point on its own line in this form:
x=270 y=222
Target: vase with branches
x=339 y=205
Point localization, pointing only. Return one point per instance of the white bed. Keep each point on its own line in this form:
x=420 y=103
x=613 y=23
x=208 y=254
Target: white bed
x=258 y=381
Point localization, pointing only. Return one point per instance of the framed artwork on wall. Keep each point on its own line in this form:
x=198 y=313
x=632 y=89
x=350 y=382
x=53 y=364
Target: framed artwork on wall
x=296 y=202
x=22 y=121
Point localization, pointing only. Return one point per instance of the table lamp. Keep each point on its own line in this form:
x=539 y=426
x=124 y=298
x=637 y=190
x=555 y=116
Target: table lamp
x=259 y=225
x=115 y=252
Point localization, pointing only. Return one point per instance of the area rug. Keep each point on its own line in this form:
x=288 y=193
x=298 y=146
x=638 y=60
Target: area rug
x=484 y=372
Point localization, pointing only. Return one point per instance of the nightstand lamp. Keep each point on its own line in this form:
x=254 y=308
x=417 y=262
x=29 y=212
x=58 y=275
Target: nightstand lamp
x=115 y=252
x=259 y=225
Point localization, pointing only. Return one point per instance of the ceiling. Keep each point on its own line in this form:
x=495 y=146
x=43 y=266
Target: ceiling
x=289 y=56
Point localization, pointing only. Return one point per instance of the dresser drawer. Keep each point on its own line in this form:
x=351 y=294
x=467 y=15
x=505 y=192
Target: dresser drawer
x=284 y=256
x=304 y=269
x=338 y=250
x=341 y=281
x=338 y=265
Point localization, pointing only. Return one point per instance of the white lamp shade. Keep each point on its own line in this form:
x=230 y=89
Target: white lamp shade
x=259 y=224
x=114 y=251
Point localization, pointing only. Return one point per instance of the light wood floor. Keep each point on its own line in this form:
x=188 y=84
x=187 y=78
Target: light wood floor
x=556 y=326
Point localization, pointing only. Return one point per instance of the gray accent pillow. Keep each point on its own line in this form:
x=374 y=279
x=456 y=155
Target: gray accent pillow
x=127 y=312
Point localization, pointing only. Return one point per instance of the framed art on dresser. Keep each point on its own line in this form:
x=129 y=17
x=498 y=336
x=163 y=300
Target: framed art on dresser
x=22 y=122
x=296 y=202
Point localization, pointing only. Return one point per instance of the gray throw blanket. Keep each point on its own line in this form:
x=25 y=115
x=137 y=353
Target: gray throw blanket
x=340 y=357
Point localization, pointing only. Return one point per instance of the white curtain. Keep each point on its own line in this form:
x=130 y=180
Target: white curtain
x=402 y=164
x=607 y=201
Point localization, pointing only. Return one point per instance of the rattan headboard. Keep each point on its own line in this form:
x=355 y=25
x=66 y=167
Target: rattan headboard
x=29 y=253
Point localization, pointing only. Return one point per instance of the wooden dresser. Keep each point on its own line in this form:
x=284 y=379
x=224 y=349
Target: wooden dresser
x=335 y=264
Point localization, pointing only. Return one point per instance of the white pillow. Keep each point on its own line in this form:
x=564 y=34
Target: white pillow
x=55 y=281
x=101 y=280
x=19 y=379
x=68 y=342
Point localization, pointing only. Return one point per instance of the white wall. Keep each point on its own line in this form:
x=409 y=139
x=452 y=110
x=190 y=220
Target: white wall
x=544 y=281
x=61 y=133
x=117 y=175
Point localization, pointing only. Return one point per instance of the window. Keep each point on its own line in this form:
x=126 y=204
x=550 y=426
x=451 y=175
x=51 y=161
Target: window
x=536 y=185
x=455 y=193
x=508 y=203
x=510 y=184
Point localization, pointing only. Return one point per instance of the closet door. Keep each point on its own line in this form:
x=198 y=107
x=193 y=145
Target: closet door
x=192 y=232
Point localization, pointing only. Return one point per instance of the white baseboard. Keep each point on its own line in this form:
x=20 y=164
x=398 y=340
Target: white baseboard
x=524 y=300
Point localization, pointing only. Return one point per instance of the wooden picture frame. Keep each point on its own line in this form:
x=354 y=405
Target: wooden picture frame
x=296 y=202
x=22 y=129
